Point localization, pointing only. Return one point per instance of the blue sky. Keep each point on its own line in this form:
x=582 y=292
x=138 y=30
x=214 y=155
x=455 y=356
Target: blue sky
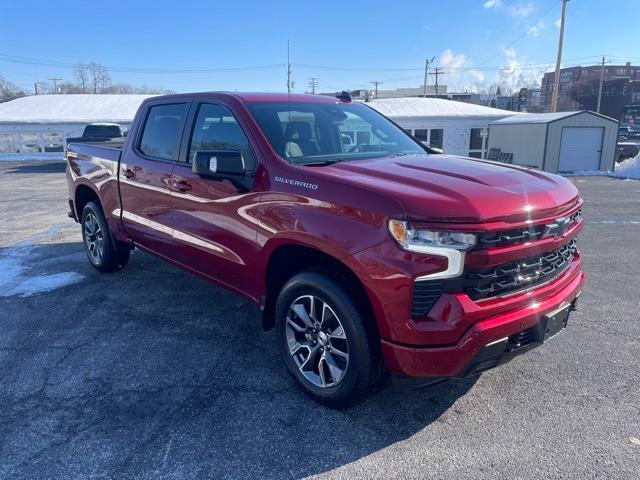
x=478 y=42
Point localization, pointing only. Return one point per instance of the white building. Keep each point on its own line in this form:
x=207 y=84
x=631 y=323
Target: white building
x=556 y=142
x=457 y=128
x=37 y=127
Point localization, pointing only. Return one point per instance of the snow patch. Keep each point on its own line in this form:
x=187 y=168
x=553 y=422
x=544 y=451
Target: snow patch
x=629 y=169
x=16 y=263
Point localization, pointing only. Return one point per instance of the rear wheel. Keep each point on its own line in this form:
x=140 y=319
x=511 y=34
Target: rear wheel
x=102 y=251
x=324 y=342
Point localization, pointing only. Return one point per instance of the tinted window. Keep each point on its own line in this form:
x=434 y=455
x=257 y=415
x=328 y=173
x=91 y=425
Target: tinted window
x=102 y=131
x=309 y=132
x=217 y=129
x=162 y=131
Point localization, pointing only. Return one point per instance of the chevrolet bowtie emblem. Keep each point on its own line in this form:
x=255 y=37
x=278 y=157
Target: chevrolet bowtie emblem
x=557 y=228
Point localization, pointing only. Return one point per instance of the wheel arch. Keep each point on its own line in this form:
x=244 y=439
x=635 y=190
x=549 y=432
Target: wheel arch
x=281 y=266
x=83 y=195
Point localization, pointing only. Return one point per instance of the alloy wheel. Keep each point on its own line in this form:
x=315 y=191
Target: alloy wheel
x=317 y=341
x=93 y=238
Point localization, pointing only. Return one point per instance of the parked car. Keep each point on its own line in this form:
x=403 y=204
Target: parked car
x=625 y=150
x=100 y=132
x=366 y=258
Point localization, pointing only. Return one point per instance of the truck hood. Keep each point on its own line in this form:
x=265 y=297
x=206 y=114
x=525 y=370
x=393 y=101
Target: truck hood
x=454 y=189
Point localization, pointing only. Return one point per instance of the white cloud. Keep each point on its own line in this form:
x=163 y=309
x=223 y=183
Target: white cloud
x=492 y=4
x=514 y=74
x=558 y=22
x=521 y=10
x=459 y=73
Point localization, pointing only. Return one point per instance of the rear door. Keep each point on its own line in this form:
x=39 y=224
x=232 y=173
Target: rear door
x=214 y=223
x=580 y=148
x=145 y=176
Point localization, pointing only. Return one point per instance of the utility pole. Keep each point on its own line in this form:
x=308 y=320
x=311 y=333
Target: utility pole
x=600 y=86
x=375 y=87
x=288 y=69
x=426 y=72
x=55 y=84
x=313 y=84
x=556 y=77
x=436 y=73
x=35 y=87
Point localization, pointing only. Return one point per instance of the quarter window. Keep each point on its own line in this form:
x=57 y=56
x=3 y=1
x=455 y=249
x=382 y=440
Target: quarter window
x=162 y=131
x=217 y=129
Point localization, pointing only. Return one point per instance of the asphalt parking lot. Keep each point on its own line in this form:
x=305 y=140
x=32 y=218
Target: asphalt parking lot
x=151 y=372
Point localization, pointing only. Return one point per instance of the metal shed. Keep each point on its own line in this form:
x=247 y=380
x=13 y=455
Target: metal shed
x=555 y=142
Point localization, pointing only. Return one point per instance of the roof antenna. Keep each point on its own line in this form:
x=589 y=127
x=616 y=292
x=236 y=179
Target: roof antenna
x=344 y=96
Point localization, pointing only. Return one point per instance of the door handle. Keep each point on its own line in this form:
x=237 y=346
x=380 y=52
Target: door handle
x=128 y=173
x=181 y=186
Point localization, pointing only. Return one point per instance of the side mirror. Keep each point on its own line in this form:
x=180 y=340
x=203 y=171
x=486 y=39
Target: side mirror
x=218 y=163
x=222 y=165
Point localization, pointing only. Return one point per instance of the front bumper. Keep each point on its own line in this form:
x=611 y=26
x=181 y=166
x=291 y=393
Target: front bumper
x=478 y=349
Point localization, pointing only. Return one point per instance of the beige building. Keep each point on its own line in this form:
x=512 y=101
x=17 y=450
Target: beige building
x=555 y=142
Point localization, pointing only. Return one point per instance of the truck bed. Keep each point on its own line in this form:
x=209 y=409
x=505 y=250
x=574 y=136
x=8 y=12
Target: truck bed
x=110 y=150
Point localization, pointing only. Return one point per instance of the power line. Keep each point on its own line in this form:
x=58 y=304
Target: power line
x=53 y=63
x=519 y=37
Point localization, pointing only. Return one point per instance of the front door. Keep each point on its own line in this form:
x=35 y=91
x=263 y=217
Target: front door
x=213 y=221
x=145 y=177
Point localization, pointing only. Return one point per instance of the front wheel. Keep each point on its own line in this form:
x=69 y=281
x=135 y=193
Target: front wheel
x=324 y=342
x=102 y=251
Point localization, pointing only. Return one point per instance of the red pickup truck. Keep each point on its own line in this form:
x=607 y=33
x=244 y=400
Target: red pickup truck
x=369 y=256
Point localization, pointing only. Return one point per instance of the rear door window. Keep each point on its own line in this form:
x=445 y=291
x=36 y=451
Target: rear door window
x=163 y=130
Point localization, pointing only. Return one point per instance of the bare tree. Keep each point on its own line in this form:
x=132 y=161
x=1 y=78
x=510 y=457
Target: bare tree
x=9 y=91
x=100 y=77
x=81 y=73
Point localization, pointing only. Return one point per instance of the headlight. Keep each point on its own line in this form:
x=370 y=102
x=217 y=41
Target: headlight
x=424 y=241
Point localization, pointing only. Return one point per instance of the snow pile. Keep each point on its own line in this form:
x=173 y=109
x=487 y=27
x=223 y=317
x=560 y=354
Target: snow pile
x=16 y=263
x=629 y=169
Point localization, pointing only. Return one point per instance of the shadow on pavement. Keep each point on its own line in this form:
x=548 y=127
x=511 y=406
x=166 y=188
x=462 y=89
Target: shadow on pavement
x=152 y=372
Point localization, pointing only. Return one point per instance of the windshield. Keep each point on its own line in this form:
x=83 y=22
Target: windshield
x=307 y=133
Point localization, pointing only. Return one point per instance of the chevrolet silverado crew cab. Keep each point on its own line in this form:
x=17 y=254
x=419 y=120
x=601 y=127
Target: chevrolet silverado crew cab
x=367 y=256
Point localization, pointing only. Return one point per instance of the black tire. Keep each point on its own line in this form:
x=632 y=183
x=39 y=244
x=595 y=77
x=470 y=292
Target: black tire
x=113 y=256
x=363 y=370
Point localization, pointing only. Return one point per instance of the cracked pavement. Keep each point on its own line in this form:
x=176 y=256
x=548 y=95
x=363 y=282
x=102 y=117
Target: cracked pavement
x=151 y=372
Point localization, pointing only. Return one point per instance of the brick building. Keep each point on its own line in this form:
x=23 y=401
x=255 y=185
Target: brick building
x=578 y=89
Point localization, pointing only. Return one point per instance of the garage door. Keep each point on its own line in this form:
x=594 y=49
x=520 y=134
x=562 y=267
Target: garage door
x=580 y=148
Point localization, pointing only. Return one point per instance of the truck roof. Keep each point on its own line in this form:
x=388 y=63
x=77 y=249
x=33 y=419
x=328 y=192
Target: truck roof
x=272 y=97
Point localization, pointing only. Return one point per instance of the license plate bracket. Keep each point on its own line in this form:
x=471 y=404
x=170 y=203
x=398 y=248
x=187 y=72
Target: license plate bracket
x=556 y=321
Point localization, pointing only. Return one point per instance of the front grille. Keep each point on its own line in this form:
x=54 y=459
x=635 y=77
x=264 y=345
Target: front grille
x=481 y=283
x=513 y=236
